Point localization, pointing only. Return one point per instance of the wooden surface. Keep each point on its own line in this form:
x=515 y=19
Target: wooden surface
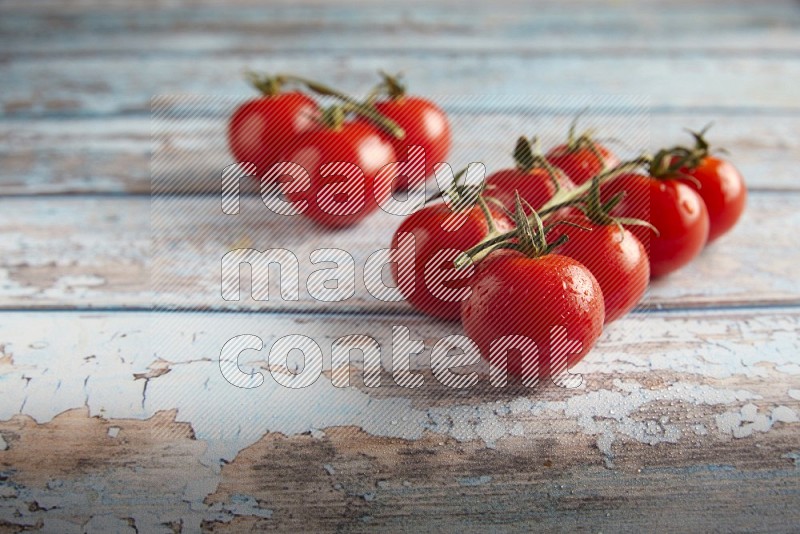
x=117 y=419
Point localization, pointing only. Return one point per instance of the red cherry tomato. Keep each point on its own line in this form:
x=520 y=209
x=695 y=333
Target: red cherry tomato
x=582 y=162
x=615 y=257
x=723 y=191
x=677 y=211
x=514 y=295
x=425 y=125
x=343 y=167
x=428 y=226
x=535 y=186
x=262 y=129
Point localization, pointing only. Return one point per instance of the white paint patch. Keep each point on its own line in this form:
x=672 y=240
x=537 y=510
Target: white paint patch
x=784 y=414
x=749 y=412
x=749 y=420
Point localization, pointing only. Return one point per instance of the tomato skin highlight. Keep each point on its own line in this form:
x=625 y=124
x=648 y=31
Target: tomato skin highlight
x=582 y=164
x=535 y=187
x=431 y=237
x=425 y=125
x=722 y=188
x=261 y=130
x=355 y=143
x=513 y=294
x=615 y=257
x=676 y=210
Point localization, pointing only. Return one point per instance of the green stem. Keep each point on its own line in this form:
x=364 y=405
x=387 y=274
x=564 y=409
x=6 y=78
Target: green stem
x=360 y=108
x=559 y=200
x=487 y=214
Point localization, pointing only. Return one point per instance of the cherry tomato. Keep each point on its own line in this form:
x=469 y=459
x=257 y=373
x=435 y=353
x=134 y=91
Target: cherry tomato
x=535 y=186
x=532 y=177
x=582 y=161
x=675 y=209
x=723 y=191
x=514 y=295
x=429 y=228
x=262 y=129
x=343 y=165
x=615 y=257
x=425 y=125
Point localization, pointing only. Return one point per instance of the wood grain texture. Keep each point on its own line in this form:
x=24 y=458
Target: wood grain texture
x=103 y=252
x=120 y=421
x=192 y=29
x=115 y=155
x=95 y=86
x=135 y=420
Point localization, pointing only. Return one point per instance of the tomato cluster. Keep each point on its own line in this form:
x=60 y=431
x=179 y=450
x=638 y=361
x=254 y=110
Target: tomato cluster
x=546 y=251
x=344 y=148
x=611 y=228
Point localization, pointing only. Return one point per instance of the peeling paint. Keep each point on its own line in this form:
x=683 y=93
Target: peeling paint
x=749 y=420
x=183 y=375
x=177 y=361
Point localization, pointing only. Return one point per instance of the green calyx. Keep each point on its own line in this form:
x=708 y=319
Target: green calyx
x=528 y=157
x=584 y=140
x=528 y=237
x=599 y=213
x=264 y=83
x=701 y=146
x=562 y=199
x=392 y=86
x=668 y=162
x=531 y=242
x=593 y=207
x=271 y=85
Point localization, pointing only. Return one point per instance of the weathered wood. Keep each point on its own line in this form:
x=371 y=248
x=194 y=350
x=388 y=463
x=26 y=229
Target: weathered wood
x=122 y=422
x=96 y=252
x=202 y=30
x=102 y=85
x=135 y=420
x=114 y=155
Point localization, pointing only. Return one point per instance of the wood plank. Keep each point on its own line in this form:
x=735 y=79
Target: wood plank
x=688 y=418
x=106 y=85
x=96 y=252
x=113 y=155
x=141 y=431
x=594 y=28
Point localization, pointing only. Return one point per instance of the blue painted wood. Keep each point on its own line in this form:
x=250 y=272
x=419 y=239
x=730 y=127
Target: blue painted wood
x=748 y=28
x=102 y=86
x=76 y=79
